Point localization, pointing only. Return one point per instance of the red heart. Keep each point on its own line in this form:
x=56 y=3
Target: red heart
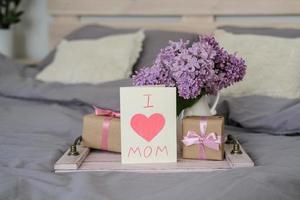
x=146 y=127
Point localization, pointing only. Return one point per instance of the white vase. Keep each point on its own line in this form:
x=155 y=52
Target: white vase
x=201 y=107
x=6 y=42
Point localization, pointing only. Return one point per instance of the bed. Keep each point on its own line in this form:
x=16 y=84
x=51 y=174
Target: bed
x=39 y=120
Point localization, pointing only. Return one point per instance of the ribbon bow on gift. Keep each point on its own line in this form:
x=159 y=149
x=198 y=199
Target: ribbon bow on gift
x=108 y=115
x=210 y=140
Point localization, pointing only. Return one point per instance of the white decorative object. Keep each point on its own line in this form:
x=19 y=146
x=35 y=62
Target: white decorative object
x=148 y=124
x=272 y=65
x=201 y=107
x=94 y=61
x=6 y=42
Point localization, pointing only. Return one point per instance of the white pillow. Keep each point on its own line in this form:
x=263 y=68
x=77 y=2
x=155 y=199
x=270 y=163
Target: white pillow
x=273 y=64
x=94 y=61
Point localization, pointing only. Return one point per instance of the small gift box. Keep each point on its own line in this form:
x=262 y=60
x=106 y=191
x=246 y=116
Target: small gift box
x=203 y=138
x=102 y=130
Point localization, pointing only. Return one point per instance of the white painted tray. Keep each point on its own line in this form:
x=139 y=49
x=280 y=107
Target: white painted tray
x=94 y=160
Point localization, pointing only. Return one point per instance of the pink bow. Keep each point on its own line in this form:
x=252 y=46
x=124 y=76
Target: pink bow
x=210 y=140
x=108 y=115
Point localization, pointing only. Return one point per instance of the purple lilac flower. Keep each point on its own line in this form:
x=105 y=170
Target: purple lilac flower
x=200 y=68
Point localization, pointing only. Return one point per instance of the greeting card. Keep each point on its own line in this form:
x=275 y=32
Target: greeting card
x=148 y=124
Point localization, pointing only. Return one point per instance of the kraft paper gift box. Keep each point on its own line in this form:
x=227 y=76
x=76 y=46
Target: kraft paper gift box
x=203 y=137
x=102 y=131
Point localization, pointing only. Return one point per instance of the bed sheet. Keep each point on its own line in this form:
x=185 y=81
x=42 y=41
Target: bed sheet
x=34 y=134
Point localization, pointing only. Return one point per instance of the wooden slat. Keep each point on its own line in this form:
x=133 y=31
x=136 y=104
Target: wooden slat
x=257 y=7
x=259 y=24
x=130 y=7
x=204 y=24
x=174 y=7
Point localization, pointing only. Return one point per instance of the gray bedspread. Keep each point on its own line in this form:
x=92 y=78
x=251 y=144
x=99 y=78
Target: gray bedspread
x=39 y=121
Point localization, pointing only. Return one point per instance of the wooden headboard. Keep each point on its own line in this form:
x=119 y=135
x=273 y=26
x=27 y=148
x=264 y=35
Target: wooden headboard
x=180 y=15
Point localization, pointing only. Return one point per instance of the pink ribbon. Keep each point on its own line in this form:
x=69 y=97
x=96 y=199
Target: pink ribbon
x=108 y=115
x=210 y=140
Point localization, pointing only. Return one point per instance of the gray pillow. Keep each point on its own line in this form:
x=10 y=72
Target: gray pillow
x=154 y=41
x=278 y=32
x=262 y=114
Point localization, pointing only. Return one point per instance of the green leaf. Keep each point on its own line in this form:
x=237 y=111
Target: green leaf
x=9 y=13
x=17 y=2
x=18 y=14
x=185 y=103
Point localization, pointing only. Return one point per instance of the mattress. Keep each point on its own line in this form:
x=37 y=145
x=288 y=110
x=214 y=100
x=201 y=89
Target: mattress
x=35 y=134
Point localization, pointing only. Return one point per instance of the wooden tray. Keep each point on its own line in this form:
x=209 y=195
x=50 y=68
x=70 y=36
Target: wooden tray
x=95 y=160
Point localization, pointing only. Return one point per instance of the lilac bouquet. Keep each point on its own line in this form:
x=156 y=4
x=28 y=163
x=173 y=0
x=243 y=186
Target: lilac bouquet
x=197 y=69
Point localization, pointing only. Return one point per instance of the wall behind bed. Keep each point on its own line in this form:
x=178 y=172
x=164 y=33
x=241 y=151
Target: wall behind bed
x=189 y=15
x=201 y=16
